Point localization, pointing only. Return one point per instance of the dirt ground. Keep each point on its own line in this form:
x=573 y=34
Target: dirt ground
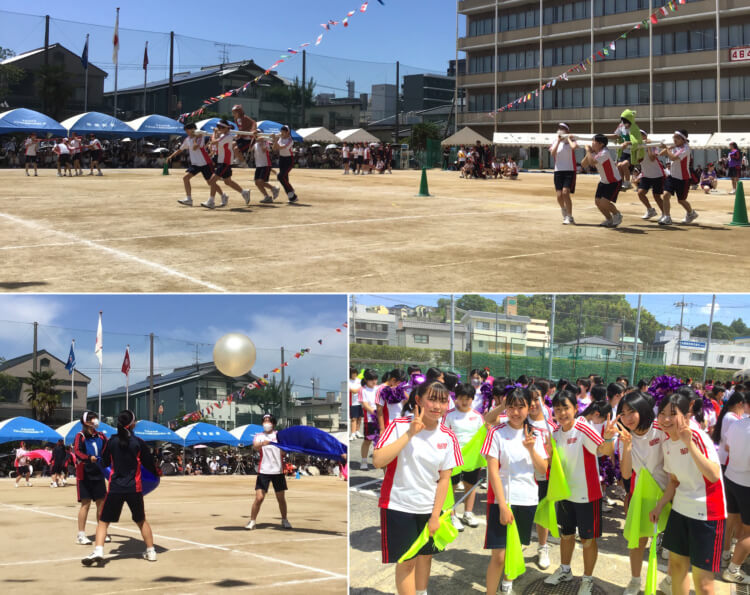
x=201 y=543
x=125 y=232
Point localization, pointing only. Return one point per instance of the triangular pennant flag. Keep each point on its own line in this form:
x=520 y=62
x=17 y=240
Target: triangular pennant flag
x=654 y=19
x=664 y=11
x=320 y=38
x=363 y=8
x=645 y=496
x=557 y=489
x=514 y=564
x=471 y=452
x=653 y=570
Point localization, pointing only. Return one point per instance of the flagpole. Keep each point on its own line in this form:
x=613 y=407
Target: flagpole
x=86 y=79
x=145 y=74
x=127 y=379
x=101 y=359
x=117 y=62
x=72 y=383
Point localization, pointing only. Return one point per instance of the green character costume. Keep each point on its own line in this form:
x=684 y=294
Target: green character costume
x=637 y=150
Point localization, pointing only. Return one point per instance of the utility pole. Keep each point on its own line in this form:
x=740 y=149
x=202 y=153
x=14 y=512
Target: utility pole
x=283 y=388
x=453 y=333
x=171 y=74
x=151 y=378
x=398 y=78
x=34 y=363
x=681 y=305
x=551 y=334
x=304 y=85
x=635 y=341
x=46 y=60
x=708 y=341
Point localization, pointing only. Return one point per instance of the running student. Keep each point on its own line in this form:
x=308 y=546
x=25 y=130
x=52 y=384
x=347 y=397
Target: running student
x=734 y=164
x=242 y=142
x=640 y=448
x=345 y=158
x=63 y=157
x=418 y=456
x=283 y=144
x=695 y=528
x=95 y=158
x=515 y=453
x=563 y=152
x=678 y=182
x=263 y=171
x=579 y=446
x=200 y=162
x=464 y=422
x=270 y=471
x=22 y=463
x=223 y=172
x=75 y=145
x=597 y=155
x=124 y=454
x=652 y=178
x=368 y=397
x=88 y=446
x=31 y=145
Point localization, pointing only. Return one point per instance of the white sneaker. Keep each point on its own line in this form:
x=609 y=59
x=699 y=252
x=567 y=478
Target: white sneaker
x=224 y=200
x=559 y=576
x=363 y=466
x=606 y=223
x=626 y=185
x=353 y=436
x=665 y=220
x=250 y=526
x=285 y=524
x=457 y=523
x=470 y=519
x=664 y=553
x=100 y=174
x=483 y=485
x=587 y=586
x=28 y=484
x=93 y=558
x=690 y=217
x=634 y=586
x=107 y=539
x=188 y=202
x=59 y=175
x=665 y=586
x=606 y=507
x=738 y=577
x=267 y=200
x=506 y=589
x=27 y=173
x=571 y=221
x=82 y=539
x=150 y=555
x=246 y=196
x=209 y=204
x=358 y=434
x=53 y=485
x=566 y=220
x=616 y=219
x=543 y=557
x=650 y=213
x=275 y=192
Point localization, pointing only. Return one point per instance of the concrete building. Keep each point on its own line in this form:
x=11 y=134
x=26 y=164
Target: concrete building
x=371 y=328
x=15 y=395
x=505 y=43
x=589 y=348
x=496 y=333
x=691 y=351
x=537 y=334
x=337 y=113
x=322 y=412
x=382 y=101
x=425 y=91
x=413 y=332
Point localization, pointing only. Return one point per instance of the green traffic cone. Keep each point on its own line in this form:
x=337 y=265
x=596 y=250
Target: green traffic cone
x=423 y=189
x=165 y=171
x=739 y=218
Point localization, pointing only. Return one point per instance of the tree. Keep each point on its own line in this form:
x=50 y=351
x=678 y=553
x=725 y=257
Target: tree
x=9 y=75
x=269 y=398
x=720 y=332
x=43 y=394
x=53 y=86
x=292 y=97
x=421 y=132
x=475 y=302
x=9 y=387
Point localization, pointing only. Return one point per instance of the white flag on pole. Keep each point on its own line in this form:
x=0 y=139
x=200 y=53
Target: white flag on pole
x=98 y=349
x=116 y=38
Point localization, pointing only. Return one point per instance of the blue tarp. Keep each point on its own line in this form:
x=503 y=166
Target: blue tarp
x=210 y=124
x=156 y=125
x=245 y=434
x=203 y=433
x=70 y=429
x=311 y=441
x=152 y=432
x=24 y=120
x=16 y=429
x=100 y=124
x=271 y=127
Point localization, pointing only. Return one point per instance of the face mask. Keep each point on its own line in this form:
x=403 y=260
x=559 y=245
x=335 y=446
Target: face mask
x=267 y=427
x=476 y=381
x=95 y=423
x=562 y=132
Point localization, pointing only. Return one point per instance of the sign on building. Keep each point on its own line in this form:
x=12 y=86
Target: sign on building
x=739 y=54
x=697 y=344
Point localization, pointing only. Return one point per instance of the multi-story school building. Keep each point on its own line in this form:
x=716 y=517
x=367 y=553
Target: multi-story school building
x=667 y=71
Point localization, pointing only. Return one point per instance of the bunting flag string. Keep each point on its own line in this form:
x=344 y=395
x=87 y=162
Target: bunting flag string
x=258 y=384
x=290 y=53
x=600 y=54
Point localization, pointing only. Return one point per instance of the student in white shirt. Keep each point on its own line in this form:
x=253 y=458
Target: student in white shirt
x=63 y=157
x=391 y=397
x=223 y=142
x=283 y=144
x=418 y=456
x=737 y=479
x=579 y=446
x=200 y=162
x=368 y=397
x=345 y=158
x=652 y=178
x=270 y=471
x=678 y=179
x=355 y=409
x=465 y=422
x=263 y=166
x=695 y=528
x=31 y=145
x=597 y=155
x=95 y=154
x=515 y=453
x=75 y=145
x=563 y=152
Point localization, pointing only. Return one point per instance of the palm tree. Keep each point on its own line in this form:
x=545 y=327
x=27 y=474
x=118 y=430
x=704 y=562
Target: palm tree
x=43 y=394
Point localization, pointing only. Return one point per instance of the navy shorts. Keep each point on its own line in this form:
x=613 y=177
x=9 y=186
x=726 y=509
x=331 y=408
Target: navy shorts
x=30 y=158
x=206 y=170
x=262 y=173
x=63 y=159
x=398 y=531
x=96 y=155
x=470 y=477
x=113 y=503
x=223 y=170
x=542 y=488
x=738 y=499
x=608 y=191
x=565 y=179
x=91 y=489
x=586 y=516
x=734 y=172
x=264 y=480
x=496 y=535
x=678 y=188
x=626 y=157
x=355 y=411
x=701 y=541
x=243 y=143
x=656 y=185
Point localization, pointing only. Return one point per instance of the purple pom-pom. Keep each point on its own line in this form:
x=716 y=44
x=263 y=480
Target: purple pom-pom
x=663 y=386
x=486 y=390
x=394 y=394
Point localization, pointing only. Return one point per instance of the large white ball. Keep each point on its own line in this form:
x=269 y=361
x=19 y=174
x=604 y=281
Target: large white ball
x=234 y=354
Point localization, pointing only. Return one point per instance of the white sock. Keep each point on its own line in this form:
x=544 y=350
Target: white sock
x=151 y=549
x=733 y=568
x=586 y=576
x=565 y=567
x=188 y=197
x=82 y=533
x=507 y=585
x=726 y=554
x=422 y=592
x=636 y=579
x=98 y=550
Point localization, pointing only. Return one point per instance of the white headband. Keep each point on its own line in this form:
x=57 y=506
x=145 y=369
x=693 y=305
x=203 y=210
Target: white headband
x=678 y=133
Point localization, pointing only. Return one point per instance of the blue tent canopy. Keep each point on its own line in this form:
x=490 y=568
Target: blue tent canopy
x=98 y=123
x=25 y=428
x=210 y=124
x=156 y=125
x=152 y=432
x=271 y=127
x=203 y=433
x=246 y=434
x=26 y=120
x=311 y=441
x=70 y=429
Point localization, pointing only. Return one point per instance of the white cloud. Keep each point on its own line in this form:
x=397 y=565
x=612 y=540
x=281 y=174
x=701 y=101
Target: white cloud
x=706 y=310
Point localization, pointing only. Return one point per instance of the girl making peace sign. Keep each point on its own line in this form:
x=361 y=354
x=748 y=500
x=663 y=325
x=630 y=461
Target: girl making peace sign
x=418 y=455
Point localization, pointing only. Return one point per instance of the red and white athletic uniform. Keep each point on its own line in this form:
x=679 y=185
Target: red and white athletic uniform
x=285 y=146
x=30 y=147
x=464 y=424
x=196 y=148
x=262 y=156
x=271 y=457
x=368 y=395
x=75 y=147
x=345 y=152
x=411 y=478
x=95 y=145
x=738 y=463
x=695 y=497
x=728 y=422
x=652 y=169
x=390 y=410
x=543 y=428
x=606 y=167
x=577 y=448
x=224 y=149
x=565 y=158
x=646 y=452
x=680 y=167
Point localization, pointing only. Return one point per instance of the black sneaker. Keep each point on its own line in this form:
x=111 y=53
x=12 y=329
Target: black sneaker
x=293 y=199
x=93 y=559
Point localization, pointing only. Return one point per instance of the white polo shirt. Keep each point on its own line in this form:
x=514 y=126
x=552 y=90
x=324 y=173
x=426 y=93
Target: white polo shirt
x=369 y=396
x=544 y=428
x=738 y=463
x=464 y=424
x=652 y=169
x=577 y=448
x=565 y=159
x=411 y=478
x=727 y=423
x=647 y=453
x=271 y=457
x=390 y=410
x=196 y=148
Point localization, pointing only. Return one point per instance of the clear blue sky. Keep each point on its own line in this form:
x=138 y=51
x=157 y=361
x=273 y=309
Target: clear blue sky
x=729 y=306
x=181 y=323
x=416 y=33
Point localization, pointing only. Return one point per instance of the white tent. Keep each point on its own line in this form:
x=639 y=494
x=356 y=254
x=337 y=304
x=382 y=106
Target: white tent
x=721 y=140
x=523 y=139
x=465 y=136
x=317 y=135
x=356 y=135
x=504 y=139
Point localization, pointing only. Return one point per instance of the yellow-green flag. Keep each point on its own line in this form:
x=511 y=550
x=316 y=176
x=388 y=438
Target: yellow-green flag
x=514 y=564
x=645 y=496
x=471 y=452
x=557 y=489
x=652 y=572
x=446 y=533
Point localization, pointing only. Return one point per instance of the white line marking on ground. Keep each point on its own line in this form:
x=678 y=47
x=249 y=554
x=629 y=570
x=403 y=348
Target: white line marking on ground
x=360 y=486
x=114 y=252
x=511 y=257
x=188 y=541
x=711 y=253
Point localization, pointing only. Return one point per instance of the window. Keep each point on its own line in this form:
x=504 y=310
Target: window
x=44 y=363
x=731 y=359
x=483 y=325
x=709 y=90
x=742 y=360
x=480 y=344
x=501 y=327
x=694 y=90
x=516 y=328
x=422 y=339
x=720 y=359
x=667 y=43
x=697 y=357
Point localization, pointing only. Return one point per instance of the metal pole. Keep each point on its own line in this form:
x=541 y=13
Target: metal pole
x=453 y=333
x=145 y=74
x=551 y=336
x=679 y=340
x=151 y=378
x=496 y=323
x=304 y=84
x=708 y=341
x=283 y=390
x=455 y=91
x=635 y=341
x=718 y=81
x=495 y=68
x=591 y=73
x=34 y=354
x=86 y=80
x=46 y=56
x=127 y=382
x=650 y=74
x=541 y=62
x=72 y=384
x=171 y=74
x=398 y=78
x=117 y=64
